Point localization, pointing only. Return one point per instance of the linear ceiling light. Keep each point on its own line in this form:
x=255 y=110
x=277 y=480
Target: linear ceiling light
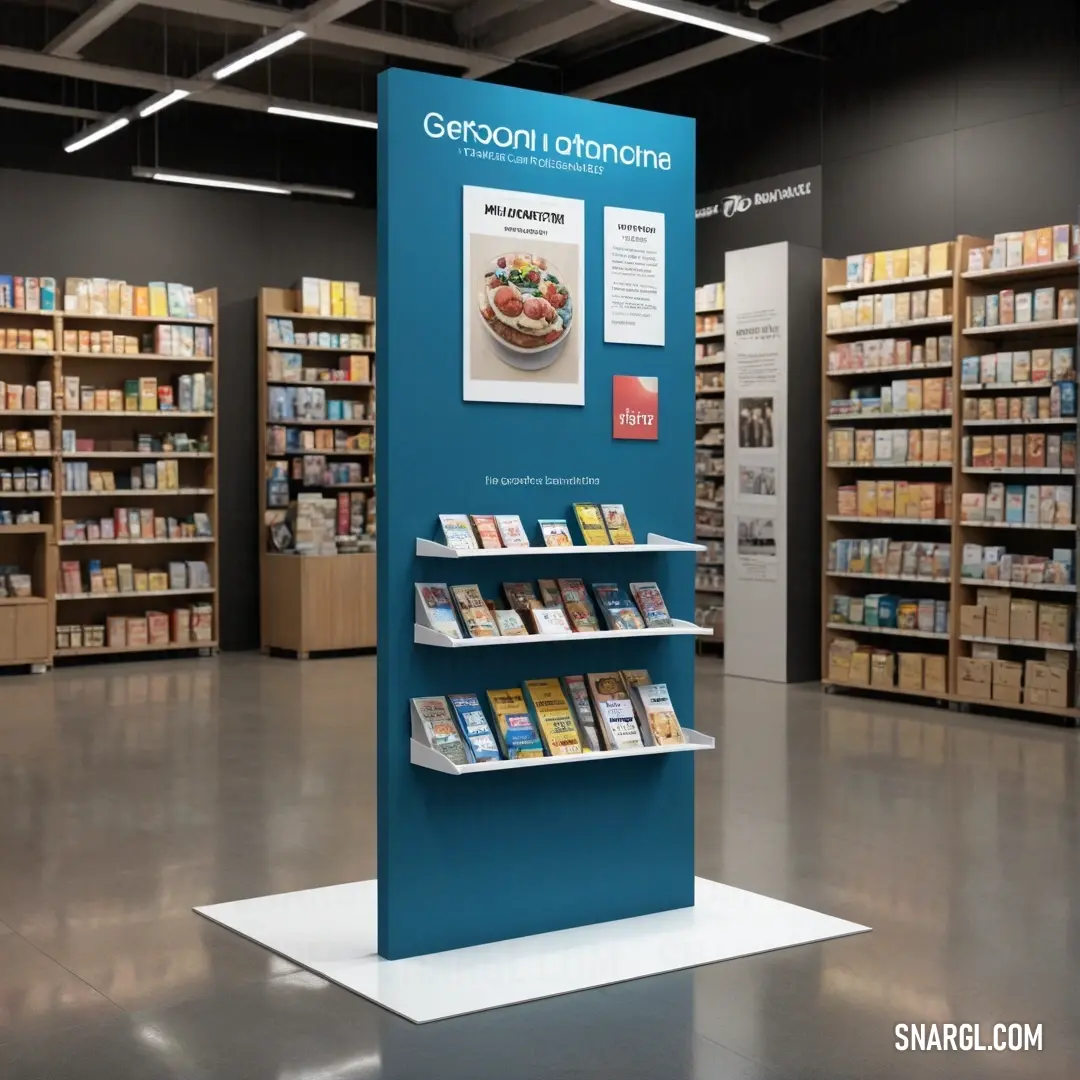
x=206 y=180
x=260 y=53
x=328 y=117
x=697 y=16
x=237 y=183
x=94 y=133
x=163 y=101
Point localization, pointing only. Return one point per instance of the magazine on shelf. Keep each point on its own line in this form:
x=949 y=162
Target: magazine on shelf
x=650 y=602
x=474 y=727
x=554 y=718
x=514 y=726
x=437 y=724
x=457 y=532
x=435 y=609
x=655 y=703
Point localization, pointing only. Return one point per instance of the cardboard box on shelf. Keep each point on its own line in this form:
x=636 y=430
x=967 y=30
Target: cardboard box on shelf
x=1053 y=623
x=1008 y=673
x=974 y=678
x=840 y=653
x=911 y=671
x=860 y=667
x=1007 y=695
x=1046 y=684
x=996 y=602
x=883 y=669
x=973 y=620
x=1023 y=619
x=934 y=679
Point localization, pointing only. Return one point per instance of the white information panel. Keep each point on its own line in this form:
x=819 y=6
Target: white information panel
x=755 y=485
x=633 y=276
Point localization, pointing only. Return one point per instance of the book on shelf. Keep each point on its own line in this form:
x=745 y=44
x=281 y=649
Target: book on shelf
x=435 y=609
x=554 y=718
x=474 y=727
x=550 y=596
x=457 y=532
x=520 y=595
x=590 y=521
x=556 y=532
x=577 y=693
x=550 y=620
x=618 y=528
x=514 y=726
x=650 y=602
x=510 y=623
x=437 y=724
x=578 y=605
x=619 y=610
x=473 y=611
x=511 y=531
x=660 y=718
x=614 y=711
x=487 y=534
x=632 y=678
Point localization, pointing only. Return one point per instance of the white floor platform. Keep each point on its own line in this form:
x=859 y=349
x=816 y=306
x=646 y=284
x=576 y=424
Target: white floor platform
x=332 y=932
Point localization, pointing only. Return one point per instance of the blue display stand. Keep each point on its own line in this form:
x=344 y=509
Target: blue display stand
x=469 y=859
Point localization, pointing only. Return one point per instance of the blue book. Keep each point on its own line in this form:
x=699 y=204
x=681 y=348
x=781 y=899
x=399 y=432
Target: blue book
x=1068 y=398
x=1014 y=502
x=7 y=292
x=886 y=613
x=475 y=729
x=970 y=370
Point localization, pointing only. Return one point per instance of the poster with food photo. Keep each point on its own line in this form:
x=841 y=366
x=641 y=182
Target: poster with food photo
x=524 y=275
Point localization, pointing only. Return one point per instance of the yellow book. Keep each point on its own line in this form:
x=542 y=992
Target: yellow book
x=615 y=521
x=148 y=397
x=590 y=521
x=940 y=257
x=337 y=298
x=142 y=300
x=514 y=727
x=352 y=299
x=880 y=266
x=900 y=263
x=554 y=718
x=159 y=300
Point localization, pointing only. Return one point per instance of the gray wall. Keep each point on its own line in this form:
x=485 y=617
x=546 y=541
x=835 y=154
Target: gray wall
x=74 y=226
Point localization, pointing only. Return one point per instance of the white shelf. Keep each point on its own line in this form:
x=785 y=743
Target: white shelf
x=846 y=418
x=26 y=412
x=364 y=384
x=888 y=520
x=341 y=349
x=710 y=391
x=877 y=328
x=1016 y=525
x=714 y=590
x=1010 y=385
x=1015 y=470
x=890 y=464
x=914 y=369
x=1030 y=270
x=1069 y=647
x=26 y=453
x=867 y=288
x=300 y=315
x=431 y=549
x=321 y=453
x=136 y=593
x=423 y=756
x=710 y=362
x=1041 y=587
x=709 y=335
x=424 y=635
x=123 y=493
x=888 y=577
x=1020 y=328
x=892 y=631
x=184 y=321
x=1051 y=421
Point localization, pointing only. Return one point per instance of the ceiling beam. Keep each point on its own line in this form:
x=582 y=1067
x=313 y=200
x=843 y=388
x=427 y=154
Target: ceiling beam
x=48 y=107
x=350 y=37
x=542 y=28
x=216 y=94
x=807 y=23
x=475 y=16
x=90 y=24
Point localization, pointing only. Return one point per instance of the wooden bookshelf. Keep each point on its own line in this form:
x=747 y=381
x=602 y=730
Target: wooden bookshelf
x=709 y=384
x=1018 y=538
x=316 y=603
x=837 y=384
x=115 y=436
x=26 y=622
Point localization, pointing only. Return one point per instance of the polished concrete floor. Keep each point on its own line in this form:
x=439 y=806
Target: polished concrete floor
x=130 y=793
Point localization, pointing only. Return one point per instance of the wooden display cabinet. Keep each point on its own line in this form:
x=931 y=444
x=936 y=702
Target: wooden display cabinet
x=26 y=622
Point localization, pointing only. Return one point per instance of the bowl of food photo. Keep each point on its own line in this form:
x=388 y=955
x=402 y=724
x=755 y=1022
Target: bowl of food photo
x=526 y=309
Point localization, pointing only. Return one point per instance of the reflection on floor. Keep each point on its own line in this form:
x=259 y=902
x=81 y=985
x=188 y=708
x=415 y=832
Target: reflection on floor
x=130 y=793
